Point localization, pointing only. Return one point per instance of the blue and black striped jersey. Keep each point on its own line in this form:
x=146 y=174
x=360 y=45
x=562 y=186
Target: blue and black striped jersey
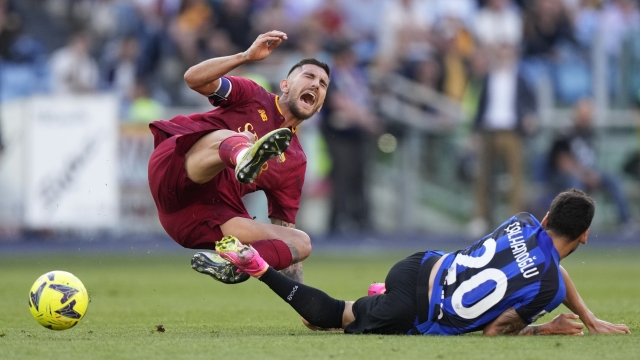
x=515 y=266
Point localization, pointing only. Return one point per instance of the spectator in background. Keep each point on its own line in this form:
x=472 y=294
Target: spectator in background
x=619 y=18
x=478 y=70
x=550 y=51
x=157 y=51
x=301 y=9
x=273 y=16
x=498 y=22
x=330 y=20
x=349 y=123
x=404 y=34
x=363 y=18
x=73 y=70
x=586 y=21
x=506 y=112
x=546 y=25
x=461 y=10
x=10 y=26
x=119 y=69
x=234 y=16
x=428 y=72
x=144 y=109
x=188 y=28
x=218 y=42
x=573 y=163
x=457 y=45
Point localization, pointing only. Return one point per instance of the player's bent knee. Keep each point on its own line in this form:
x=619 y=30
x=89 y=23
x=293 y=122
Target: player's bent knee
x=303 y=245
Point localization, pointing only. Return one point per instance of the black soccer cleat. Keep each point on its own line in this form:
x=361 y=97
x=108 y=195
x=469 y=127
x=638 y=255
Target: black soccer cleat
x=218 y=268
x=265 y=148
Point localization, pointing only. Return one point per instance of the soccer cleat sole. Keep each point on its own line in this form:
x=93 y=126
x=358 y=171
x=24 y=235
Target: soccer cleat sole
x=269 y=146
x=221 y=270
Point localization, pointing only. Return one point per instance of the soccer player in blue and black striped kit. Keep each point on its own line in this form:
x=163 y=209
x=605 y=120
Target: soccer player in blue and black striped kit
x=501 y=284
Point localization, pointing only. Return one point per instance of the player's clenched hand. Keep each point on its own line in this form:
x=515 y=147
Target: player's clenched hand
x=563 y=325
x=604 y=327
x=264 y=45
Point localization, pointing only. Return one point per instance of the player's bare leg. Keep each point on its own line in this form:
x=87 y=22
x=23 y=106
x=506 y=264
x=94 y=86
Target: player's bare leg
x=243 y=152
x=294 y=271
x=203 y=161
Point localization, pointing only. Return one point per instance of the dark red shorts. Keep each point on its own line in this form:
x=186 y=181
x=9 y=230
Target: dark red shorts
x=191 y=213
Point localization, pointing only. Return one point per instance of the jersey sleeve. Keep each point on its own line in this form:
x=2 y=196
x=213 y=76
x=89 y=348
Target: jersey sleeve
x=550 y=295
x=284 y=200
x=233 y=90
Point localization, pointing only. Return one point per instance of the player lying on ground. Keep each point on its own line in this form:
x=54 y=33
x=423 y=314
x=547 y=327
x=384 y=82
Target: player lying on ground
x=500 y=284
x=203 y=164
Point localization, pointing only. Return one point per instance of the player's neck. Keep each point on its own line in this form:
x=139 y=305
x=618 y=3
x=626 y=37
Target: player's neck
x=563 y=246
x=290 y=121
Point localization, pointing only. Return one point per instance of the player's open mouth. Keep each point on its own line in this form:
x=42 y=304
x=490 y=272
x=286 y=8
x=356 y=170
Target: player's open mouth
x=308 y=98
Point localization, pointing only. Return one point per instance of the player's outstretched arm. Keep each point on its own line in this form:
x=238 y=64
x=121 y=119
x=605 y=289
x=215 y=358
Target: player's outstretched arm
x=510 y=323
x=574 y=302
x=205 y=76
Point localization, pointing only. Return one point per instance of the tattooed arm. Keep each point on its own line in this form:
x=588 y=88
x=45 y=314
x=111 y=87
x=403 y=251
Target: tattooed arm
x=276 y=221
x=510 y=323
x=294 y=271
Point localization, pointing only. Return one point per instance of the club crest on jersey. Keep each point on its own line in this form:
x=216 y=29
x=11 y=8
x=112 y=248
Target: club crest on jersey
x=263 y=115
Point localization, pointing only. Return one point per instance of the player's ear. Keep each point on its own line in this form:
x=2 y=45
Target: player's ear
x=284 y=86
x=320 y=108
x=584 y=236
x=545 y=220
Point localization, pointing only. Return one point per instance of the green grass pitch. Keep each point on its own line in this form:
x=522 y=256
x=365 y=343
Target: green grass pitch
x=133 y=292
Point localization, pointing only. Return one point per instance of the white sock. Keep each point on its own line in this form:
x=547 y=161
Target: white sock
x=240 y=155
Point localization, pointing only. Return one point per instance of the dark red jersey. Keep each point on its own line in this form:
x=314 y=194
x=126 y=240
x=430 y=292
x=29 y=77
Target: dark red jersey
x=183 y=205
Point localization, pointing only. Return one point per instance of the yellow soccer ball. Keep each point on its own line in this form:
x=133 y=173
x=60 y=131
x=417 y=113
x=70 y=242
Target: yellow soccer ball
x=58 y=300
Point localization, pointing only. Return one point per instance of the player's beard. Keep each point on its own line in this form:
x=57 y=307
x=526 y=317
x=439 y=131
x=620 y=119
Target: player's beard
x=296 y=111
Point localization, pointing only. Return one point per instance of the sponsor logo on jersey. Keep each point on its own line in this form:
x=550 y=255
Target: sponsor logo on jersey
x=263 y=115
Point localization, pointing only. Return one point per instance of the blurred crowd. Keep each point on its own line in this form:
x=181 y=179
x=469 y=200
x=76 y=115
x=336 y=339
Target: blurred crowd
x=140 y=48
x=490 y=56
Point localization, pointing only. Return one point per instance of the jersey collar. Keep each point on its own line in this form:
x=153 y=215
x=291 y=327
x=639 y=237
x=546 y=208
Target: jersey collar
x=293 y=130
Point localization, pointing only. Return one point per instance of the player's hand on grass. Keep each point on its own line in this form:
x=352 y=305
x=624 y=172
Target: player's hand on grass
x=603 y=327
x=316 y=328
x=563 y=324
x=264 y=45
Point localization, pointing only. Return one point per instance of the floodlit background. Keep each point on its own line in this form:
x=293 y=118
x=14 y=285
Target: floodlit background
x=444 y=117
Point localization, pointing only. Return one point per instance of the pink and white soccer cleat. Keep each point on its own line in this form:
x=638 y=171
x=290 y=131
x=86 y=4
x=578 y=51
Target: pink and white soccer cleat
x=376 y=289
x=244 y=257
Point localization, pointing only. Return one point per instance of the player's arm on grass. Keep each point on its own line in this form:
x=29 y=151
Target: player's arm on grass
x=510 y=323
x=574 y=302
x=205 y=76
x=294 y=271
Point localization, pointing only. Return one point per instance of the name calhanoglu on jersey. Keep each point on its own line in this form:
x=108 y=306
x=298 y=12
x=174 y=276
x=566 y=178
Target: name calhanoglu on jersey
x=520 y=251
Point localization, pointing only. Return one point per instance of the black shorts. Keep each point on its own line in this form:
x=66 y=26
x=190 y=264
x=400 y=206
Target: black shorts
x=395 y=311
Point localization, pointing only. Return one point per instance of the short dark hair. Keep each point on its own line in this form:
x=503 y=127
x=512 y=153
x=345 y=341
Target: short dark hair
x=571 y=214
x=311 y=61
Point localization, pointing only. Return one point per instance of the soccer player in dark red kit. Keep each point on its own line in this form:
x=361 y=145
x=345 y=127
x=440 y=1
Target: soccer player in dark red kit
x=204 y=163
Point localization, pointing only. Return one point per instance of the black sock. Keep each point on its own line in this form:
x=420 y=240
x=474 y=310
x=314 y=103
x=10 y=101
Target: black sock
x=312 y=304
